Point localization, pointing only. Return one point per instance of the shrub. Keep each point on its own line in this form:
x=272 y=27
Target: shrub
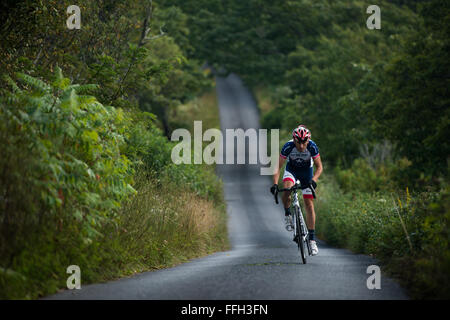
x=363 y=176
x=72 y=144
x=67 y=178
x=407 y=232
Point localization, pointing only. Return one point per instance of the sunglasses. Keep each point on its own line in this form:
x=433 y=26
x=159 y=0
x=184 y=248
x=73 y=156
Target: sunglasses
x=301 y=141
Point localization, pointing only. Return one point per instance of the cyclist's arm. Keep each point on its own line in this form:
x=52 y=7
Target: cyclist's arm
x=276 y=175
x=319 y=168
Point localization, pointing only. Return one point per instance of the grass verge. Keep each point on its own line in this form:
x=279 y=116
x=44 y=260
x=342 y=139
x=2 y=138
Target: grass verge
x=159 y=227
x=407 y=233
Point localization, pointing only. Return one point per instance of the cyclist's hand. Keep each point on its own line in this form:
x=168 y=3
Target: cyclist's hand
x=313 y=184
x=274 y=188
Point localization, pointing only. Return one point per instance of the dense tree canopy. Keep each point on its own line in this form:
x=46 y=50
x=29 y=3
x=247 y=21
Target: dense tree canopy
x=356 y=88
x=134 y=49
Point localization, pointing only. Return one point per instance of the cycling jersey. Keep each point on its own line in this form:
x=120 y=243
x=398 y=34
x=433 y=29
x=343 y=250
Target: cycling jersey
x=299 y=164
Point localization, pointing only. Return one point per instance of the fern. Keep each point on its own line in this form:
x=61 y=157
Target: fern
x=39 y=85
x=77 y=139
x=13 y=85
x=60 y=82
x=86 y=88
x=9 y=99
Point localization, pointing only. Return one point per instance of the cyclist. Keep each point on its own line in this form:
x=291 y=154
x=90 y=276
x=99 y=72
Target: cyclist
x=301 y=153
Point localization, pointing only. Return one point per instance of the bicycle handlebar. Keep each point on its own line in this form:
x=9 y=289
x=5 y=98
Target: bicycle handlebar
x=293 y=188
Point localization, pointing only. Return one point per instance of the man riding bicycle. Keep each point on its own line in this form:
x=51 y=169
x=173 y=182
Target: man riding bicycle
x=301 y=153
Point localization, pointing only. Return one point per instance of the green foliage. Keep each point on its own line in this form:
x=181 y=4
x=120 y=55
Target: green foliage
x=350 y=85
x=68 y=190
x=78 y=169
x=157 y=228
x=361 y=177
x=135 y=50
x=411 y=106
x=70 y=160
x=355 y=87
x=148 y=148
x=365 y=177
x=409 y=233
x=322 y=77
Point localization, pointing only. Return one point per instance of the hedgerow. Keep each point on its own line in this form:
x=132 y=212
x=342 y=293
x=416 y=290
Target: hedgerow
x=68 y=189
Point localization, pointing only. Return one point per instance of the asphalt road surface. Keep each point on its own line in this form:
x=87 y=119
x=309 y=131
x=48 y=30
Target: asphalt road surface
x=264 y=262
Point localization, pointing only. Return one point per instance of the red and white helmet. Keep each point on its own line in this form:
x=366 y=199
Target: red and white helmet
x=301 y=134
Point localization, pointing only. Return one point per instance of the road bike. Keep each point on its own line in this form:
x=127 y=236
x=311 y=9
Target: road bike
x=300 y=229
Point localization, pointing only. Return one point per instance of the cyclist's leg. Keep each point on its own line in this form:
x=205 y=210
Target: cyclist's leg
x=310 y=213
x=288 y=181
x=310 y=219
x=308 y=199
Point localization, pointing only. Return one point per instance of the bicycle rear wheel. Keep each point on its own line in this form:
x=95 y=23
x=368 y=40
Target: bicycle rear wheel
x=301 y=243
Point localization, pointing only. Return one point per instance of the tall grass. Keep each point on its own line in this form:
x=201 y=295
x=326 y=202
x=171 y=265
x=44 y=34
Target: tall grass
x=164 y=225
x=202 y=108
x=161 y=226
x=408 y=233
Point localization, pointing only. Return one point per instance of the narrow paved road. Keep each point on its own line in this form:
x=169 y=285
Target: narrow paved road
x=264 y=262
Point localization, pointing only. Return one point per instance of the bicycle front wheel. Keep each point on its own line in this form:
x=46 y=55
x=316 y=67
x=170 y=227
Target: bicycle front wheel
x=301 y=243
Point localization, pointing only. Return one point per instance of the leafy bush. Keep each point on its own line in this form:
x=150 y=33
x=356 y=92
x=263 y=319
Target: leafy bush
x=360 y=177
x=69 y=166
x=409 y=233
x=148 y=148
x=69 y=161
x=365 y=177
x=73 y=145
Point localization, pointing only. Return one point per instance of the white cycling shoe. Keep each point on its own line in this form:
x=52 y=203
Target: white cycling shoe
x=314 y=249
x=289 y=223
